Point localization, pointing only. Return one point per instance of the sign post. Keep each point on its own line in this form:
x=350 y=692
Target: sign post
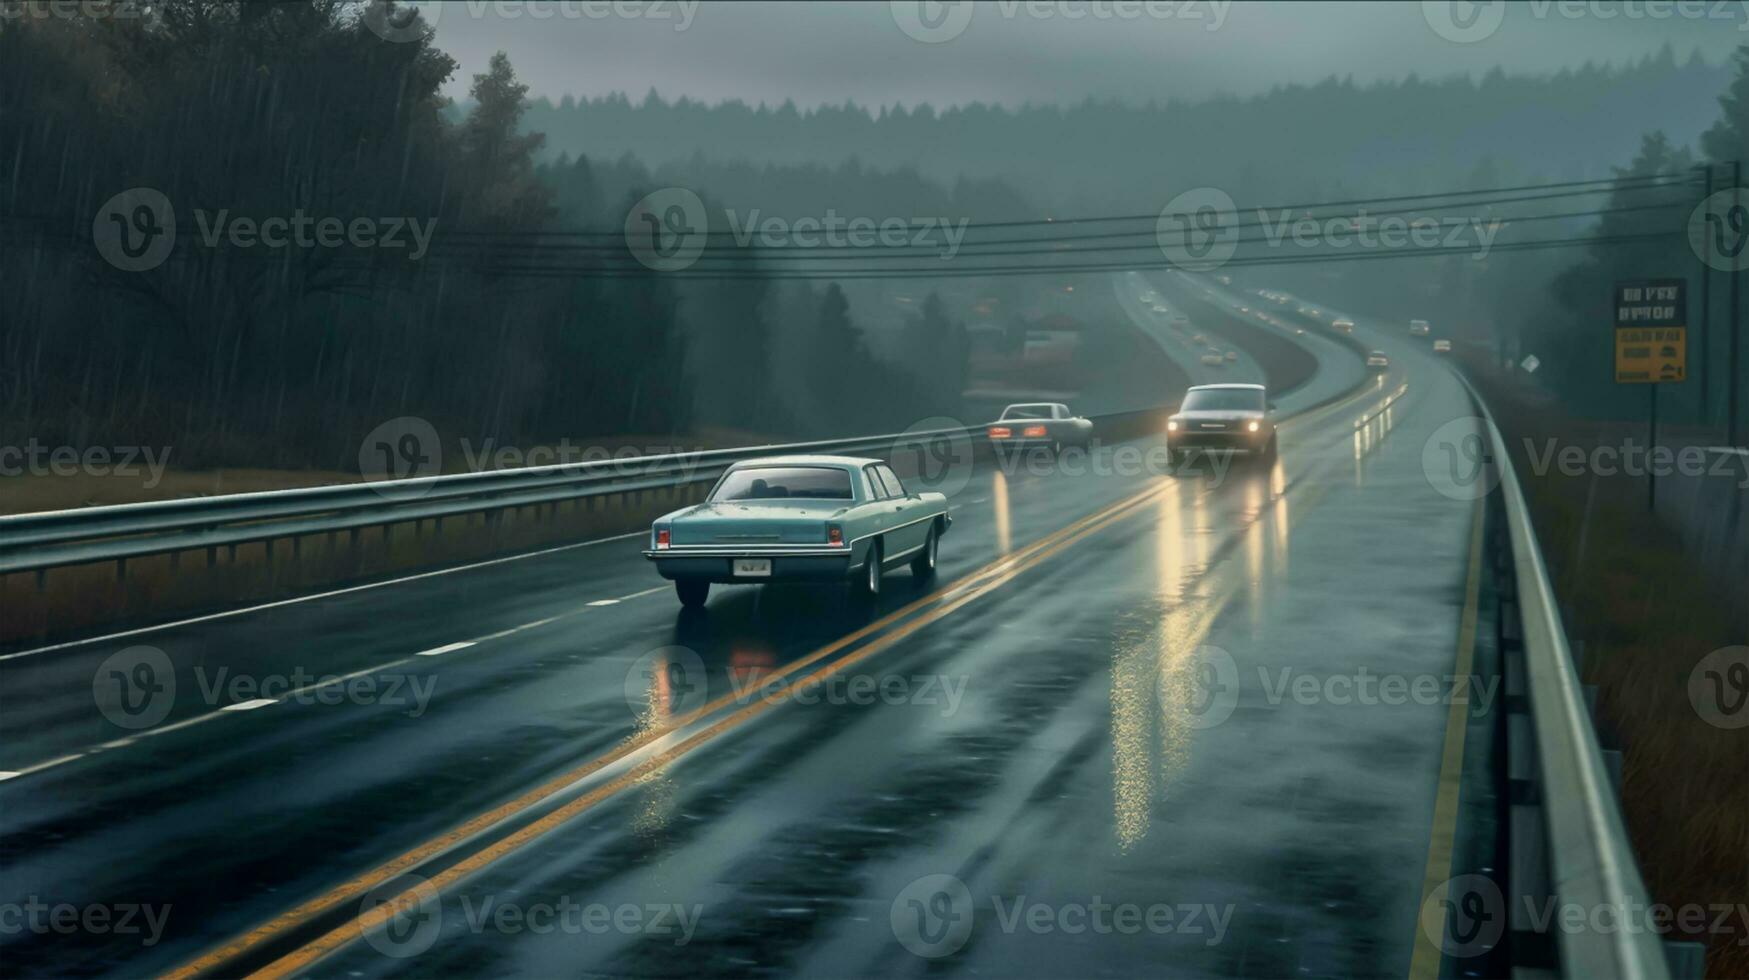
x=1651 y=347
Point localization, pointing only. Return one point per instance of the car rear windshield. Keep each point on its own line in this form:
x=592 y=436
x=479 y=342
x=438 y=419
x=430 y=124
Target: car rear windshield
x=1224 y=400
x=785 y=483
x=1027 y=412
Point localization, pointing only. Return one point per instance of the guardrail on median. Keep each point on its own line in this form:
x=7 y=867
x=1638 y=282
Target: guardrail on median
x=1566 y=837
x=44 y=541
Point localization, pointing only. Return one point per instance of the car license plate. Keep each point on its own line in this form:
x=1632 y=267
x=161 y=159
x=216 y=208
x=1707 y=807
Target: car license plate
x=753 y=567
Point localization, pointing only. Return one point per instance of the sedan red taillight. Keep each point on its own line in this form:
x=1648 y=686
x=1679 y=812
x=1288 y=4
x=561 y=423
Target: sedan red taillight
x=835 y=537
x=1000 y=432
x=661 y=538
x=1033 y=432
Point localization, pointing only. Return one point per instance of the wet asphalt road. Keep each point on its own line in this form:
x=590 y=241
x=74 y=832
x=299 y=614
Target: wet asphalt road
x=1085 y=749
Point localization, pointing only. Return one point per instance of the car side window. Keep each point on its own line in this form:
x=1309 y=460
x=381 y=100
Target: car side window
x=876 y=489
x=894 y=487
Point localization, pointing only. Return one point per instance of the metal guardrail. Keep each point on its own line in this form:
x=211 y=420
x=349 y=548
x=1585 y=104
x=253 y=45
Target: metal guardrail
x=42 y=541
x=37 y=542
x=1587 y=860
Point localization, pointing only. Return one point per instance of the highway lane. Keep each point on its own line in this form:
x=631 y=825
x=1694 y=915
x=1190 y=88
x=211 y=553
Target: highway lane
x=1175 y=342
x=1076 y=771
x=290 y=797
x=282 y=807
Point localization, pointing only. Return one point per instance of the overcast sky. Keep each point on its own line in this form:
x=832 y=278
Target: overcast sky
x=1041 y=51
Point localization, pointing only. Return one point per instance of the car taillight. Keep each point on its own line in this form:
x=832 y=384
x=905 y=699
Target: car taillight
x=661 y=538
x=1000 y=432
x=1033 y=432
x=835 y=537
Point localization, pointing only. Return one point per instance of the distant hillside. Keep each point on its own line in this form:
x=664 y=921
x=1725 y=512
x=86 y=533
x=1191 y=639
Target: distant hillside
x=1411 y=135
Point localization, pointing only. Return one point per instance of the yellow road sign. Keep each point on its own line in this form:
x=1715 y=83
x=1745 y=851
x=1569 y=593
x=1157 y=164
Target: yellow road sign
x=1649 y=355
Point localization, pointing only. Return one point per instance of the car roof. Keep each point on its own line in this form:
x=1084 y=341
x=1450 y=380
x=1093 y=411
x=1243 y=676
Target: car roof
x=805 y=460
x=1230 y=384
x=1035 y=405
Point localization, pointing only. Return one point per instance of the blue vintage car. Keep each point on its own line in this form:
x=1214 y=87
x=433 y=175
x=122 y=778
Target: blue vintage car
x=800 y=518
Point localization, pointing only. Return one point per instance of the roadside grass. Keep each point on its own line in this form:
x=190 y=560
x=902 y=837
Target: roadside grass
x=1646 y=615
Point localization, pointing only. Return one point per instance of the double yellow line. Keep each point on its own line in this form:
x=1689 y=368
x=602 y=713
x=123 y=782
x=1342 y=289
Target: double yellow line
x=933 y=608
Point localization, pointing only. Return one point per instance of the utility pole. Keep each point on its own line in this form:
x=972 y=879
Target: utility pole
x=1736 y=325
x=1706 y=309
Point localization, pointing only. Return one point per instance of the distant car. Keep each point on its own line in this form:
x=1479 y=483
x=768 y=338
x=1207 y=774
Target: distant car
x=1161 y=309
x=1299 y=331
x=788 y=518
x=1199 y=339
x=1048 y=424
x=1377 y=360
x=1232 y=356
x=1419 y=328
x=1442 y=347
x=1181 y=321
x=1213 y=358
x=1342 y=326
x=1237 y=417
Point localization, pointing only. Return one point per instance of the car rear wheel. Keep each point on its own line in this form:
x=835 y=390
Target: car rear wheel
x=923 y=566
x=692 y=592
x=870 y=585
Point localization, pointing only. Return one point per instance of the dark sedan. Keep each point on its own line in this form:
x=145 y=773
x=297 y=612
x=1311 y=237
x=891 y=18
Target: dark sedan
x=1230 y=417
